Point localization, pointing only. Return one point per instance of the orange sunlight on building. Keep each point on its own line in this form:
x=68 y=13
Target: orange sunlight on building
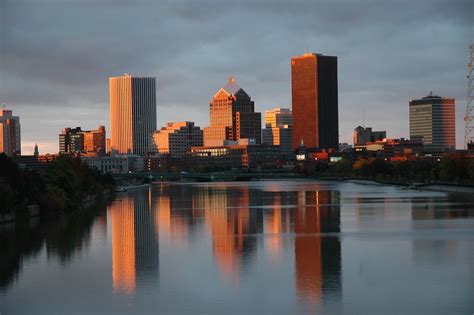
x=308 y=257
x=172 y=228
x=274 y=228
x=123 y=246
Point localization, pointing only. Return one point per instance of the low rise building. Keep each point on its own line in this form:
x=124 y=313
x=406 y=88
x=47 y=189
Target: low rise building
x=76 y=140
x=177 y=138
x=363 y=135
x=119 y=164
x=235 y=156
x=34 y=162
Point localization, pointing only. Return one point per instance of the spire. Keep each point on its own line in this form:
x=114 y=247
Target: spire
x=36 y=150
x=231 y=79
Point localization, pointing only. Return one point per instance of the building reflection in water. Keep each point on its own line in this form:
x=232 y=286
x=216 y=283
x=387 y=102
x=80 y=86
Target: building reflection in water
x=317 y=256
x=233 y=216
x=232 y=225
x=134 y=241
x=174 y=213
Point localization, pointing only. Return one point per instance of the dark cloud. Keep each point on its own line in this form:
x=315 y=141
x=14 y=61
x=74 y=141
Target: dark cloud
x=57 y=55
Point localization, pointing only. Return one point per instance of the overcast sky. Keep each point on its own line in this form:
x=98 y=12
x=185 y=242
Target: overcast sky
x=57 y=55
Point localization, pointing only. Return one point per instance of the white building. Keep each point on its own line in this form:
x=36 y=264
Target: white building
x=119 y=164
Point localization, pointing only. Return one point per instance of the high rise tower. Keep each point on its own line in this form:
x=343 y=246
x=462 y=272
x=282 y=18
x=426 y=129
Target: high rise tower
x=314 y=96
x=432 y=121
x=233 y=116
x=10 y=136
x=132 y=113
x=469 y=118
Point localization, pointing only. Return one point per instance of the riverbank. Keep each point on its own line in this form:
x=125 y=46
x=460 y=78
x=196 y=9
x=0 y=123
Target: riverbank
x=440 y=187
x=131 y=187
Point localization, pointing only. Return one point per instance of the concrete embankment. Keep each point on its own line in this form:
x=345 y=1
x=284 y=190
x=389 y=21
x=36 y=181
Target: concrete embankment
x=469 y=190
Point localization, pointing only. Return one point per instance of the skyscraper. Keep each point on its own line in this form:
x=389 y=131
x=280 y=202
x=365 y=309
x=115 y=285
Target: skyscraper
x=132 y=113
x=315 y=101
x=432 y=121
x=10 y=136
x=277 y=129
x=233 y=116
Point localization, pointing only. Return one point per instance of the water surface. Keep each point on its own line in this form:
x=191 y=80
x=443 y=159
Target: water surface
x=270 y=247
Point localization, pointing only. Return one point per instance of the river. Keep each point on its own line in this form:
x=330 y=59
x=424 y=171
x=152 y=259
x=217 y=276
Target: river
x=268 y=247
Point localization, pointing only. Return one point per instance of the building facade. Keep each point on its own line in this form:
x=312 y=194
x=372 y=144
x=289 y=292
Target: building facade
x=235 y=156
x=132 y=113
x=95 y=141
x=71 y=140
x=432 y=121
x=76 y=140
x=10 y=133
x=233 y=116
x=177 y=138
x=278 y=117
x=278 y=131
x=314 y=93
x=120 y=164
x=363 y=135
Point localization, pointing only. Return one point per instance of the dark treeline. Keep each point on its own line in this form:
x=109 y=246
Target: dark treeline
x=62 y=186
x=453 y=168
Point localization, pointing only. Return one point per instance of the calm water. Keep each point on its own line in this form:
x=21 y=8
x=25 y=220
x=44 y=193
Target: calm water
x=275 y=247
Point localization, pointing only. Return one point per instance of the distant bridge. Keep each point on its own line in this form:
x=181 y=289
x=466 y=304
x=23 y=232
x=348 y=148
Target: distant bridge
x=207 y=177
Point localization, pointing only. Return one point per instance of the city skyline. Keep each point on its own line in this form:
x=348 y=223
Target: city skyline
x=381 y=54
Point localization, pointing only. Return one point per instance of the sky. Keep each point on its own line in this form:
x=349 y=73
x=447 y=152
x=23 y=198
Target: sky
x=57 y=56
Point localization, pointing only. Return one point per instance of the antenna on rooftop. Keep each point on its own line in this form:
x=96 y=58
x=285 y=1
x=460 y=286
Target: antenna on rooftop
x=469 y=117
x=363 y=117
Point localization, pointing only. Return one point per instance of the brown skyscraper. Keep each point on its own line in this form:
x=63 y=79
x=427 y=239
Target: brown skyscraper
x=315 y=101
x=233 y=116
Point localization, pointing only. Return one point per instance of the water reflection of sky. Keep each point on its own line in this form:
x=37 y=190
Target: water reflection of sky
x=275 y=247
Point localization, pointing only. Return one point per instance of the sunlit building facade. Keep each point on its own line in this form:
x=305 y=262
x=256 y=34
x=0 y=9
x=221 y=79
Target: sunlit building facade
x=71 y=140
x=433 y=122
x=132 y=113
x=278 y=117
x=95 y=141
x=76 y=140
x=362 y=135
x=314 y=93
x=233 y=116
x=278 y=129
x=10 y=133
x=177 y=138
